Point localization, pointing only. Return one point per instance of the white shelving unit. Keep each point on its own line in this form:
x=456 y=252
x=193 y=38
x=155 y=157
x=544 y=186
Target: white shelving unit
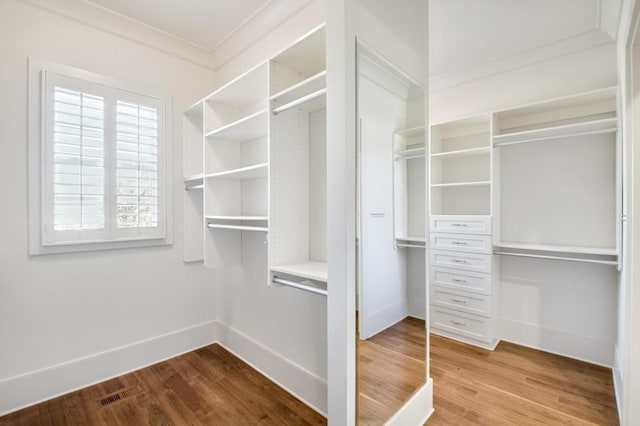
x=460 y=167
x=563 y=154
x=409 y=150
x=460 y=186
x=236 y=165
x=538 y=183
x=297 y=207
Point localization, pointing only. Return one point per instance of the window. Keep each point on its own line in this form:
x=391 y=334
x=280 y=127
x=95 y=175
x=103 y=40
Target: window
x=101 y=163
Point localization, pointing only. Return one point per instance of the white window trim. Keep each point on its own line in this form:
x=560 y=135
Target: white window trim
x=36 y=178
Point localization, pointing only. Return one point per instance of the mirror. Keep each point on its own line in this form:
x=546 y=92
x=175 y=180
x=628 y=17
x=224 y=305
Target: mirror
x=390 y=231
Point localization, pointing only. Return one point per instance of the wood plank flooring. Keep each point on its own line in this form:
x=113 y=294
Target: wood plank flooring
x=511 y=386
x=391 y=367
x=517 y=385
x=209 y=386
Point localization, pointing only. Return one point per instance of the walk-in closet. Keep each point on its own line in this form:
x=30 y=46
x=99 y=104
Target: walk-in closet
x=343 y=212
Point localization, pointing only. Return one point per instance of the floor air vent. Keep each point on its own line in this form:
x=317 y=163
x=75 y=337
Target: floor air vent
x=117 y=396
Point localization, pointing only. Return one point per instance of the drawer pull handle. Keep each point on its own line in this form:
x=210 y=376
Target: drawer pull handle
x=459 y=225
x=458 y=323
x=458 y=261
x=458 y=280
x=464 y=302
x=459 y=243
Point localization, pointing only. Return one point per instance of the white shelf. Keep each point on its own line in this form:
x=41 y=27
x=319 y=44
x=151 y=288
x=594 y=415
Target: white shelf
x=460 y=184
x=408 y=154
x=463 y=153
x=248 y=88
x=194 y=182
x=310 y=102
x=251 y=127
x=596 y=251
x=311 y=270
x=411 y=238
x=310 y=85
x=237 y=218
x=607 y=125
x=410 y=132
x=249 y=172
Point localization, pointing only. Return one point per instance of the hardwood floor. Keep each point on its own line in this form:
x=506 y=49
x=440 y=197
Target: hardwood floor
x=514 y=385
x=391 y=366
x=209 y=386
x=511 y=386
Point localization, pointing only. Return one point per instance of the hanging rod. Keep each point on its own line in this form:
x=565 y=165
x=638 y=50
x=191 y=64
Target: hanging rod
x=571 y=259
x=546 y=138
x=194 y=187
x=238 y=227
x=410 y=245
x=300 y=101
x=299 y=286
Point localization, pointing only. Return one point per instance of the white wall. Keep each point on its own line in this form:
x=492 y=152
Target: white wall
x=584 y=326
x=84 y=308
x=565 y=75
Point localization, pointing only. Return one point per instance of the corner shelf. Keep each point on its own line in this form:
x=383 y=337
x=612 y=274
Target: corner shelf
x=249 y=172
x=312 y=270
x=251 y=127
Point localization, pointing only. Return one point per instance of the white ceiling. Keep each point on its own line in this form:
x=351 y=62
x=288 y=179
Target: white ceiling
x=465 y=34
x=204 y=23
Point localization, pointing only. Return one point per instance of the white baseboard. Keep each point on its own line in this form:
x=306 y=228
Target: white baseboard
x=37 y=386
x=417 y=409
x=618 y=383
x=560 y=342
x=382 y=319
x=303 y=384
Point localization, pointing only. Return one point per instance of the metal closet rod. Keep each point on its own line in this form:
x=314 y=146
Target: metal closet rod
x=547 y=138
x=237 y=227
x=299 y=286
x=300 y=101
x=570 y=259
x=410 y=245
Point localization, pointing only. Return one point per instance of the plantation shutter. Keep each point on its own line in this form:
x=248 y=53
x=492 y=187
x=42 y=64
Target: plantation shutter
x=137 y=166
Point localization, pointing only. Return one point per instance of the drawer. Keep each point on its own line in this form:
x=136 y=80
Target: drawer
x=480 y=225
x=473 y=327
x=461 y=242
x=460 y=280
x=472 y=303
x=459 y=260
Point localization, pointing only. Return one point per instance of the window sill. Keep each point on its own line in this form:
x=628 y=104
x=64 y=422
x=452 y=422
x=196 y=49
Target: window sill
x=98 y=246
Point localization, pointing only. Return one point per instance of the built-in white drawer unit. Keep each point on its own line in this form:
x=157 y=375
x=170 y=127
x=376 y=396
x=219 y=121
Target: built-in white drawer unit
x=459 y=260
x=479 y=225
x=472 y=303
x=470 y=326
x=475 y=282
x=461 y=242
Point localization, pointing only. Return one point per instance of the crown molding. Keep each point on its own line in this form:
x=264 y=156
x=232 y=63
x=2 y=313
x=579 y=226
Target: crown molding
x=119 y=25
x=254 y=28
x=544 y=53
